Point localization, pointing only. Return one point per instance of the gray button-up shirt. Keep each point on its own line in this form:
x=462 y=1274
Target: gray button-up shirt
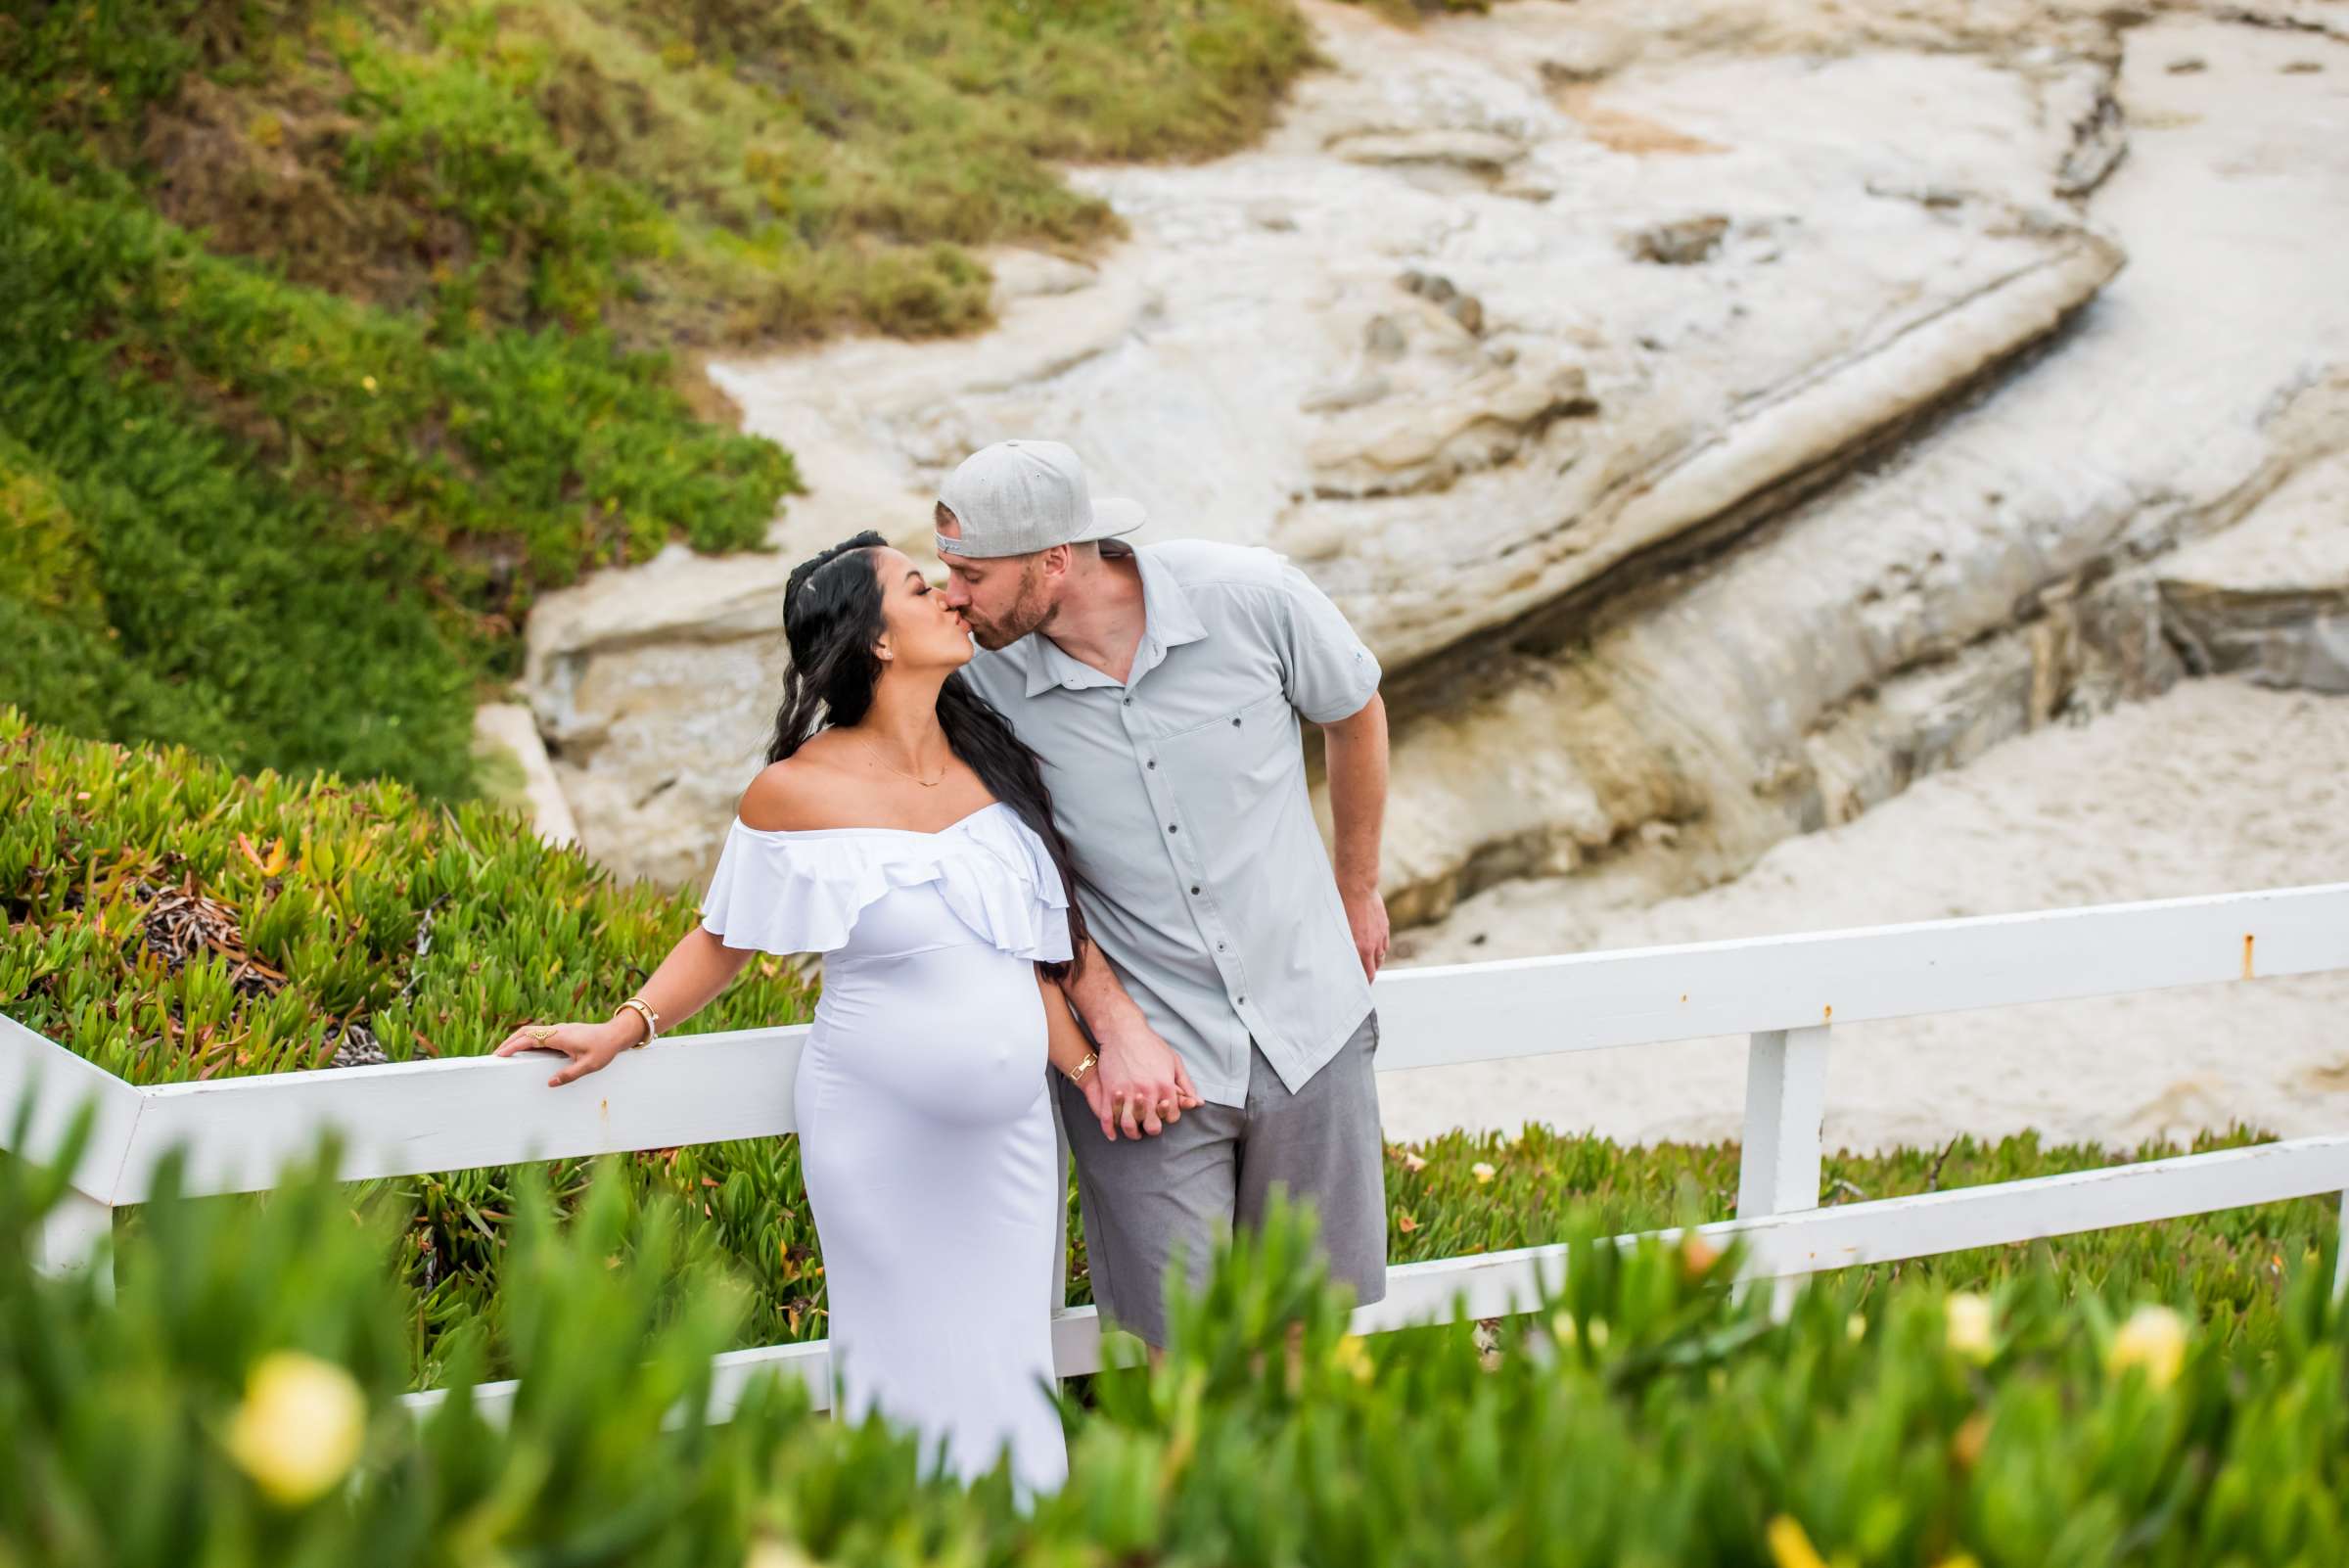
x=1182 y=794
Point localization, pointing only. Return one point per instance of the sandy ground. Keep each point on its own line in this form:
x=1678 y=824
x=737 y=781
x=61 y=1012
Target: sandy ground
x=2218 y=786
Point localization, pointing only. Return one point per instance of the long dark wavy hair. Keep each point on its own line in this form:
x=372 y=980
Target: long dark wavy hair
x=831 y=621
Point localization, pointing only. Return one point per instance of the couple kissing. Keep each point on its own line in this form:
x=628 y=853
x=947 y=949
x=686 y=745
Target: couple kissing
x=1048 y=826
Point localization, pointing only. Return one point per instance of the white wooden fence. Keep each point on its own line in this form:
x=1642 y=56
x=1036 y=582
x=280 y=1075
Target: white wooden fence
x=1785 y=993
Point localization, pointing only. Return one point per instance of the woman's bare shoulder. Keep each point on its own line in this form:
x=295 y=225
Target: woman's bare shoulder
x=803 y=792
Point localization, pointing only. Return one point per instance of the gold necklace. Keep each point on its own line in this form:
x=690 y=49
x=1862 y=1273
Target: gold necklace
x=926 y=783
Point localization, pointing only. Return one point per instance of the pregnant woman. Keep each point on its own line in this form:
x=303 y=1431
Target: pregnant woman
x=903 y=832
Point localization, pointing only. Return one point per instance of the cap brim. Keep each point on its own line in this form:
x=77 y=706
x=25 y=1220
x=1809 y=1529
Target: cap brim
x=1113 y=514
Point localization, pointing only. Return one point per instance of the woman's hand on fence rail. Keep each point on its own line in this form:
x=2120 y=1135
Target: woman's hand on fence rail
x=590 y=1047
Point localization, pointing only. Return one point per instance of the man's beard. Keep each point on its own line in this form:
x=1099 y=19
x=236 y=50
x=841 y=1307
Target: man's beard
x=1027 y=612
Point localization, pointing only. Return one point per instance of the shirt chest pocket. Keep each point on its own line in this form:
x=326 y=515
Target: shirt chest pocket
x=1229 y=768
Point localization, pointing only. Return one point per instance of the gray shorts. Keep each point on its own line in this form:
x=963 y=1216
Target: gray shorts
x=1146 y=1199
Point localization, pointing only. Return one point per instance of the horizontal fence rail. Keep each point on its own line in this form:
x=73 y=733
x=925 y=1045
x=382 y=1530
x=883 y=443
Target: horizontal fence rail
x=1785 y=993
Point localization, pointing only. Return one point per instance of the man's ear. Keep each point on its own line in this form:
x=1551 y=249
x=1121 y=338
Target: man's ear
x=1057 y=559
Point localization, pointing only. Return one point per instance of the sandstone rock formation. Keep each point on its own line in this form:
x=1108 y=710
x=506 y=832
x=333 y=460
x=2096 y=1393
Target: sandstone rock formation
x=1680 y=400
x=2006 y=566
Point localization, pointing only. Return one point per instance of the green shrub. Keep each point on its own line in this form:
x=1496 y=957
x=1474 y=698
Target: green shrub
x=301 y=532
x=170 y=920
x=340 y=332
x=45 y=561
x=578 y=160
x=1649 y=1415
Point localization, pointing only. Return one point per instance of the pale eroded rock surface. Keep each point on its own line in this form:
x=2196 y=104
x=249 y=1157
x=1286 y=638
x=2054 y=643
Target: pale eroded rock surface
x=2007 y=565
x=1640 y=378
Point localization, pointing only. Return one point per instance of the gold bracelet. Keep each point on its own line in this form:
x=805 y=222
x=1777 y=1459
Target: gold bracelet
x=652 y=1020
x=1077 y=1072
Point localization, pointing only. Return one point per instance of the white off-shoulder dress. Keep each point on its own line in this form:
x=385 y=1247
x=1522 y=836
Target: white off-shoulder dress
x=925 y=1118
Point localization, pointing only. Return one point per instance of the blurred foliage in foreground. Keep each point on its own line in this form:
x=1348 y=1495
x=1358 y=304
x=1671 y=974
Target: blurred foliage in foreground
x=237 y=1405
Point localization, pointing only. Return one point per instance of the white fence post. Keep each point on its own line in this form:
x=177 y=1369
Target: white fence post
x=2340 y=1259
x=1785 y=1101
x=76 y=1235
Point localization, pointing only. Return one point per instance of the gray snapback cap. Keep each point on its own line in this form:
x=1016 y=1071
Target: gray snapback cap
x=1019 y=497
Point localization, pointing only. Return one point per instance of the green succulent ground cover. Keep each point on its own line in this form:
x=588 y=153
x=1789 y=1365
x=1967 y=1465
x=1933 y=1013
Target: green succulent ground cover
x=169 y=920
x=1647 y=1416
x=330 y=334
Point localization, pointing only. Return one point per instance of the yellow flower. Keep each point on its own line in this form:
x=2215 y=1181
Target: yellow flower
x=298 y=1430
x=1789 y=1546
x=1482 y=1172
x=1970 y=1326
x=1350 y=1356
x=768 y=1552
x=1855 y=1327
x=2153 y=1338
x=367 y=382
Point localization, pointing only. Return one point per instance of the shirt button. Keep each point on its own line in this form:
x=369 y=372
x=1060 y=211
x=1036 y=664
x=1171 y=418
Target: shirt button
x=1219 y=946
x=1194 y=891
x=1243 y=1001
x=1153 y=762
x=1129 y=704
x=1172 y=828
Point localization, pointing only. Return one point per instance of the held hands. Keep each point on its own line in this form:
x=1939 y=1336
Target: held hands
x=1140 y=1086
x=590 y=1047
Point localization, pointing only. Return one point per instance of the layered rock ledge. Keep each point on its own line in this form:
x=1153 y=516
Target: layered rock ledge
x=1715 y=417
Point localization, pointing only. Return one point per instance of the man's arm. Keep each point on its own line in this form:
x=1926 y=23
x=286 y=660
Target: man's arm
x=1140 y=1075
x=1357 y=752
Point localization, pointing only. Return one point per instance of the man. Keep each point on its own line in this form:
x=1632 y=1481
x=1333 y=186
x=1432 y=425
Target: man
x=1160 y=687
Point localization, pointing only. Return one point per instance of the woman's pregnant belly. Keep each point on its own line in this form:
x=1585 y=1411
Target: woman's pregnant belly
x=955 y=1035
